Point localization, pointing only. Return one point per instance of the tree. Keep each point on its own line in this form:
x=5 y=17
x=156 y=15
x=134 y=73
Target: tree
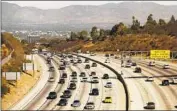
x=135 y=25
x=162 y=22
x=118 y=29
x=172 y=20
x=83 y=35
x=73 y=36
x=94 y=34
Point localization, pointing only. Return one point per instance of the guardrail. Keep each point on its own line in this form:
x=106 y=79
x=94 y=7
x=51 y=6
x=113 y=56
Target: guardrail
x=119 y=77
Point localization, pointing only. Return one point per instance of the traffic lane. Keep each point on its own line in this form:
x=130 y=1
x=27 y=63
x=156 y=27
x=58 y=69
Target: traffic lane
x=39 y=99
x=70 y=100
x=118 y=92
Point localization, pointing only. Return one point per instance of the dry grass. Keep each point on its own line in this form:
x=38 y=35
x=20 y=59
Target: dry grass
x=90 y=44
x=24 y=85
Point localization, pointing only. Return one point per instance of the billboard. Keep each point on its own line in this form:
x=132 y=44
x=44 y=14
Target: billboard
x=11 y=75
x=160 y=54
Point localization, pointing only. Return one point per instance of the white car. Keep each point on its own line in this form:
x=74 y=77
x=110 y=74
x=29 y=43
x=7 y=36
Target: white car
x=166 y=66
x=128 y=64
x=108 y=85
x=89 y=105
x=173 y=80
x=51 y=79
x=150 y=79
x=76 y=103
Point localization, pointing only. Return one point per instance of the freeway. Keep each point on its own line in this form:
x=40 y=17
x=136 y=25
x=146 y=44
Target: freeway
x=83 y=89
x=165 y=97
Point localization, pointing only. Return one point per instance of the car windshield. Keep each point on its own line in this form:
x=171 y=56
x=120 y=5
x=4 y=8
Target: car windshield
x=150 y=103
x=109 y=83
x=108 y=97
x=90 y=103
x=76 y=101
x=52 y=92
x=63 y=100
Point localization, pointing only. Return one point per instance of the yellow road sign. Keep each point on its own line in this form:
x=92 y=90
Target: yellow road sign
x=160 y=54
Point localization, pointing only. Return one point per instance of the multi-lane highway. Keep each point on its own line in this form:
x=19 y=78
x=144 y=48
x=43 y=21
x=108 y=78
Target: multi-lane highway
x=73 y=86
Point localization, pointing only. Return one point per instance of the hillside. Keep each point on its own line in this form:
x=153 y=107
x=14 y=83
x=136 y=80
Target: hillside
x=79 y=16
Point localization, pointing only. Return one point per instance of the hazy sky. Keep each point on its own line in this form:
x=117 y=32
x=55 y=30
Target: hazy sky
x=60 y=4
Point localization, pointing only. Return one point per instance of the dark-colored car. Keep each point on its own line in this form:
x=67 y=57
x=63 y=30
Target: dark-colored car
x=87 y=66
x=52 y=95
x=89 y=105
x=72 y=86
x=62 y=67
x=94 y=81
x=79 y=61
x=82 y=74
x=74 y=74
x=94 y=64
x=95 y=91
x=134 y=64
x=105 y=76
x=111 y=54
x=64 y=75
x=61 y=81
x=86 y=60
x=150 y=105
x=51 y=68
x=93 y=73
x=137 y=70
x=62 y=102
x=106 y=55
x=72 y=61
x=165 y=82
x=66 y=94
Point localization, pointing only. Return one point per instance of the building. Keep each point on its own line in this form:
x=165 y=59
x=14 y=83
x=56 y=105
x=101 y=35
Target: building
x=33 y=38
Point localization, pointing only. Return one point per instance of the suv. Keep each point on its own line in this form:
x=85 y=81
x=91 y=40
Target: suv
x=150 y=105
x=62 y=102
x=137 y=70
x=105 y=76
x=86 y=60
x=74 y=74
x=165 y=82
x=89 y=105
x=82 y=74
x=94 y=64
x=66 y=94
x=87 y=66
x=94 y=91
x=64 y=75
x=52 y=95
x=72 y=86
x=61 y=81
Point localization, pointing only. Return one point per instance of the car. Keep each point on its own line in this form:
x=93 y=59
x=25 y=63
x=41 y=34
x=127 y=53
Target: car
x=93 y=73
x=76 y=103
x=52 y=95
x=95 y=91
x=51 y=68
x=105 y=76
x=66 y=94
x=107 y=60
x=94 y=81
x=64 y=75
x=71 y=61
x=73 y=80
x=61 y=81
x=79 y=61
x=151 y=63
x=62 y=67
x=107 y=100
x=111 y=54
x=150 y=79
x=106 y=55
x=134 y=64
x=95 y=77
x=116 y=57
x=173 y=80
x=137 y=70
x=51 y=79
x=86 y=60
x=108 y=85
x=82 y=74
x=84 y=79
x=166 y=66
x=94 y=64
x=92 y=54
x=62 y=102
x=150 y=105
x=87 y=66
x=74 y=74
x=72 y=86
x=89 y=105
x=165 y=82
x=128 y=65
